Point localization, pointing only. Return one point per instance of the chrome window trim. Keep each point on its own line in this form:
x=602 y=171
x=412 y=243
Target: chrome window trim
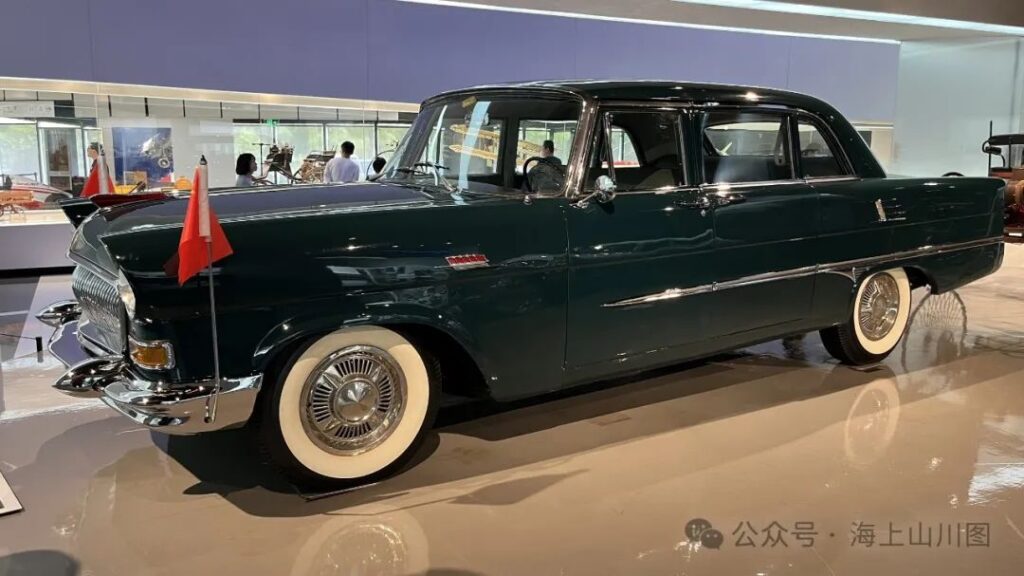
x=850 y=269
x=829 y=179
x=582 y=145
x=743 y=185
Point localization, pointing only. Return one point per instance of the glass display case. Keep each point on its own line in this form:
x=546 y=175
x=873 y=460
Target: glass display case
x=152 y=141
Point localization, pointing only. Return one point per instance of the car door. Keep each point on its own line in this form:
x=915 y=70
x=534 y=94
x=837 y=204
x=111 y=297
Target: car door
x=765 y=219
x=635 y=258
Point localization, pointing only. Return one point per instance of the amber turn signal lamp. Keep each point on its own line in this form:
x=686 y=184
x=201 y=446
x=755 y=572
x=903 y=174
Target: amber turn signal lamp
x=151 y=355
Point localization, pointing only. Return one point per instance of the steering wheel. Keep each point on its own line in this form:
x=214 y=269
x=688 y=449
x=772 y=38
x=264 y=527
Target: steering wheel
x=560 y=168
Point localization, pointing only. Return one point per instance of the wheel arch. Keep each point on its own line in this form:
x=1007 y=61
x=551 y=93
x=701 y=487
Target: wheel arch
x=463 y=366
x=919 y=277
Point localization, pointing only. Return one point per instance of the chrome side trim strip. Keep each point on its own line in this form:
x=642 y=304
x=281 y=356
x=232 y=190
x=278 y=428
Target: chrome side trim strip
x=670 y=294
x=847 y=268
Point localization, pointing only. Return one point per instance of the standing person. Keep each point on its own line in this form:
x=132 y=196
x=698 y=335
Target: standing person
x=98 y=174
x=342 y=168
x=245 y=167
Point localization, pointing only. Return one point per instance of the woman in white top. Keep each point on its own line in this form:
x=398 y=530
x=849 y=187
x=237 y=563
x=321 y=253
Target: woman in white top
x=245 y=167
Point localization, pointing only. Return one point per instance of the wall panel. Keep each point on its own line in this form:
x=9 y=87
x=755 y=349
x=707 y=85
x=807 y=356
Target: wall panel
x=390 y=50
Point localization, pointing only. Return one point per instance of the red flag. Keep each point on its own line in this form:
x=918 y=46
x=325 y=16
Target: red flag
x=94 y=185
x=201 y=226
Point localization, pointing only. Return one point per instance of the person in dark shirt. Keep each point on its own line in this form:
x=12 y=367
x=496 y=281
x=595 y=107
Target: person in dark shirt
x=547 y=175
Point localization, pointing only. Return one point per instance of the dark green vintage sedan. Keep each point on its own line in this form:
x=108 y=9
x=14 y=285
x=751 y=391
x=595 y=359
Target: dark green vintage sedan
x=523 y=239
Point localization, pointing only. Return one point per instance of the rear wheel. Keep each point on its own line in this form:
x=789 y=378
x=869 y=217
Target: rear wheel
x=880 y=313
x=350 y=408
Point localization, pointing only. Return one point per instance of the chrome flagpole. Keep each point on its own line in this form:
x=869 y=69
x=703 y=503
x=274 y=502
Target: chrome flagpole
x=204 y=231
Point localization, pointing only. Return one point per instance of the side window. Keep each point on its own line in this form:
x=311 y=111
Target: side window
x=549 y=140
x=746 y=146
x=645 y=151
x=817 y=157
x=624 y=150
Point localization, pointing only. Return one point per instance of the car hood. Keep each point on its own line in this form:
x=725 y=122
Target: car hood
x=230 y=205
x=88 y=244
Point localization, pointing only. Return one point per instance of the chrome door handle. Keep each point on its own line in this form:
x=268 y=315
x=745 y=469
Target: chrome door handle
x=728 y=198
x=699 y=202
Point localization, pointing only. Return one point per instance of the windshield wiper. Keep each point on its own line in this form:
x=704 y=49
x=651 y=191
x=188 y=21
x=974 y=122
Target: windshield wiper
x=438 y=176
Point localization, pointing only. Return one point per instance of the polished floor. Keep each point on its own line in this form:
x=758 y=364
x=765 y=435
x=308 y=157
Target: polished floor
x=789 y=463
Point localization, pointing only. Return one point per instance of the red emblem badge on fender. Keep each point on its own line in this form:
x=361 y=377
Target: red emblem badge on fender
x=465 y=261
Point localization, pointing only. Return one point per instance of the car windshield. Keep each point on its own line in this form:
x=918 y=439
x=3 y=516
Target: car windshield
x=462 y=144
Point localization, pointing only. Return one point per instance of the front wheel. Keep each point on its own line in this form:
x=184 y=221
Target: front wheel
x=350 y=408
x=880 y=313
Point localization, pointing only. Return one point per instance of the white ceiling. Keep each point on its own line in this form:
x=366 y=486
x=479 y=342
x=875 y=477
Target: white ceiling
x=1004 y=12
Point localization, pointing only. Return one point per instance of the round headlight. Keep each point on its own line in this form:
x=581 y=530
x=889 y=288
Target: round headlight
x=124 y=290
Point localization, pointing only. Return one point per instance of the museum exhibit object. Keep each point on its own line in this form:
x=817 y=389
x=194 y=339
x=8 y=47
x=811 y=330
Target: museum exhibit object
x=672 y=221
x=1009 y=150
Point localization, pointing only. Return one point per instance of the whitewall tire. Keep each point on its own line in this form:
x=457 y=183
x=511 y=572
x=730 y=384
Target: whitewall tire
x=881 y=309
x=351 y=406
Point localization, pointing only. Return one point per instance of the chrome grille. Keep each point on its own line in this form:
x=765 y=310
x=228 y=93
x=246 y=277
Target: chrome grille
x=103 y=316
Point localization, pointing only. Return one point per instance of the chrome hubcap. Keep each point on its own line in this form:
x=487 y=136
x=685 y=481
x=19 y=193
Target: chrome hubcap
x=879 y=307
x=353 y=400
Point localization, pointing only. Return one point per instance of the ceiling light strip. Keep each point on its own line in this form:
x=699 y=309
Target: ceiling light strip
x=200 y=95
x=538 y=12
x=864 y=15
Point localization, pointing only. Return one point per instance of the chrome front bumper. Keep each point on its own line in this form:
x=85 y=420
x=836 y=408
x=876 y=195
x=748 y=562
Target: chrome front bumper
x=178 y=408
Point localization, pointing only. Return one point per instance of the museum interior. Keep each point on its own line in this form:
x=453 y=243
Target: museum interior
x=432 y=287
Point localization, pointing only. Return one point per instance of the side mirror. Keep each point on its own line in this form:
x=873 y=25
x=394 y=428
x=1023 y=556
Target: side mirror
x=993 y=150
x=604 y=193
x=606 y=185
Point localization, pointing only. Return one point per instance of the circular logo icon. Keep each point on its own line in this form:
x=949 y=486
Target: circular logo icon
x=696 y=527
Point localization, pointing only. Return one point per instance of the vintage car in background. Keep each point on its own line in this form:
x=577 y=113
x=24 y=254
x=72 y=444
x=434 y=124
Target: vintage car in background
x=1009 y=149
x=672 y=221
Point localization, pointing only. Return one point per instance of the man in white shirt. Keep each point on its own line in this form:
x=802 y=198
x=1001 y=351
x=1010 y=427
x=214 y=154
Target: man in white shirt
x=342 y=168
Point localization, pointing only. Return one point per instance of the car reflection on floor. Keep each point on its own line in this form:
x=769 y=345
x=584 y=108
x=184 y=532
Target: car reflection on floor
x=601 y=481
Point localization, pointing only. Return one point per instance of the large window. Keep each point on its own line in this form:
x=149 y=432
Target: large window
x=303 y=138
x=360 y=135
x=746 y=146
x=19 y=149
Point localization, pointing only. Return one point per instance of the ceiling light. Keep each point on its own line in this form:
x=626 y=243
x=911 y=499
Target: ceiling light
x=850 y=14
x=554 y=13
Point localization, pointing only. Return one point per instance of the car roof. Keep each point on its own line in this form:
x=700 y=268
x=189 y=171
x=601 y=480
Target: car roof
x=657 y=90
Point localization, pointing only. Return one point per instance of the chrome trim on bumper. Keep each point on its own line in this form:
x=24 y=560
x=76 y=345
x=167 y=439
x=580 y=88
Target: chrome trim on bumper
x=172 y=409
x=850 y=269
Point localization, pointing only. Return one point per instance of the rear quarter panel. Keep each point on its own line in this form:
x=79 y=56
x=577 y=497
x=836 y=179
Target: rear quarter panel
x=880 y=216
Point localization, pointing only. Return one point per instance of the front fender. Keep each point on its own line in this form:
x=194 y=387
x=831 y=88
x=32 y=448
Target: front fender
x=298 y=328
